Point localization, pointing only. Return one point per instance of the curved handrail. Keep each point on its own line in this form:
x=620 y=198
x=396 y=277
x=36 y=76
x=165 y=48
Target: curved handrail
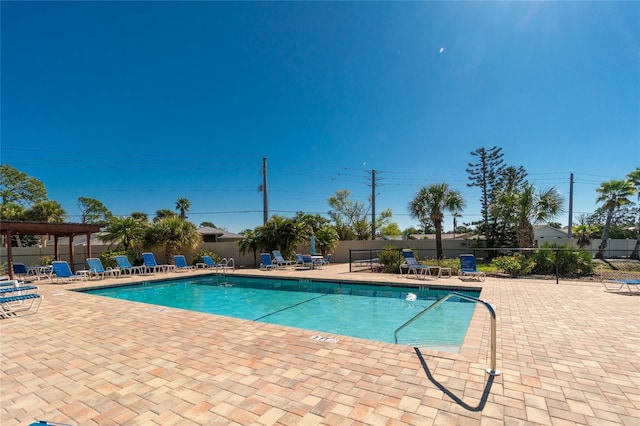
x=492 y=370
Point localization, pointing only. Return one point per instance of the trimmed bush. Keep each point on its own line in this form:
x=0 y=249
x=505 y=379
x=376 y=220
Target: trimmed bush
x=514 y=265
x=197 y=256
x=390 y=259
x=570 y=261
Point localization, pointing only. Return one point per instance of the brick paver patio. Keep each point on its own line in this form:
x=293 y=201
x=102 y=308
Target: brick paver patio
x=568 y=353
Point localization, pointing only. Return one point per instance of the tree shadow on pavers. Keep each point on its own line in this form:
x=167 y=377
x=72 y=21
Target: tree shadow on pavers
x=455 y=398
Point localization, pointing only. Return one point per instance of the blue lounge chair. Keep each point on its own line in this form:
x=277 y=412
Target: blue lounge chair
x=300 y=262
x=468 y=267
x=412 y=265
x=18 y=299
x=96 y=269
x=326 y=260
x=308 y=262
x=280 y=260
x=126 y=268
x=208 y=262
x=62 y=272
x=20 y=270
x=149 y=261
x=181 y=263
x=266 y=262
x=632 y=285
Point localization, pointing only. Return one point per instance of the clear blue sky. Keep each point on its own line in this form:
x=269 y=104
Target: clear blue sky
x=139 y=104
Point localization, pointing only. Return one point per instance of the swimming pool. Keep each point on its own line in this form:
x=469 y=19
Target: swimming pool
x=365 y=311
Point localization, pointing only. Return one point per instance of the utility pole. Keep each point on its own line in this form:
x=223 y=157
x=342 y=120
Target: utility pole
x=373 y=204
x=265 y=195
x=569 y=231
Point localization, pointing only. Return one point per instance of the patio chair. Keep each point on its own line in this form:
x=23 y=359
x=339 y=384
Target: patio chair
x=308 y=262
x=62 y=272
x=300 y=262
x=326 y=260
x=96 y=268
x=125 y=266
x=209 y=263
x=181 y=263
x=412 y=265
x=266 y=263
x=468 y=268
x=280 y=260
x=10 y=283
x=149 y=261
x=20 y=270
x=18 y=300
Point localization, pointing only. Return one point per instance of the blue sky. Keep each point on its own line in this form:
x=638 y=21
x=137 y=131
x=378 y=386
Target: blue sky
x=140 y=103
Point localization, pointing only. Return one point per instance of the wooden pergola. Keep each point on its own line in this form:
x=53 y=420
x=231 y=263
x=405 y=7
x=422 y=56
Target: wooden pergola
x=10 y=228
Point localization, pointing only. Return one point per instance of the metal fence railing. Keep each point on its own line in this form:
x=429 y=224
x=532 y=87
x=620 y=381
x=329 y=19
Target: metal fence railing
x=544 y=262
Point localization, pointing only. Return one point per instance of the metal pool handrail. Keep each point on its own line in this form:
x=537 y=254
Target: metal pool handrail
x=492 y=370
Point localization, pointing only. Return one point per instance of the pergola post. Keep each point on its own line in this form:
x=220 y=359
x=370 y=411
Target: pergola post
x=9 y=256
x=88 y=244
x=71 y=252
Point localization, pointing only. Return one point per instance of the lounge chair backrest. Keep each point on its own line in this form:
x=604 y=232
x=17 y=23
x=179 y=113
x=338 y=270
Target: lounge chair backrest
x=411 y=261
x=467 y=262
x=149 y=260
x=95 y=265
x=208 y=260
x=19 y=268
x=408 y=254
x=123 y=261
x=61 y=269
x=299 y=258
x=307 y=259
x=180 y=261
x=278 y=256
x=266 y=259
x=328 y=258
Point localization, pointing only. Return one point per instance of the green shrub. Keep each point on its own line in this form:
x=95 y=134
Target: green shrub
x=454 y=264
x=570 y=261
x=197 y=256
x=515 y=264
x=46 y=260
x=108 y=258
x=390 y=259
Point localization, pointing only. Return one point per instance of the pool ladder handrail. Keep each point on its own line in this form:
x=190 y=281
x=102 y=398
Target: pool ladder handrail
x=492 y=370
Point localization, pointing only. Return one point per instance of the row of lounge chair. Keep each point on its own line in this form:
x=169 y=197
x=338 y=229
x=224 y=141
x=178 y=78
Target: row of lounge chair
x=303 y=261
x=17 y=299
x=468 y=268
x=60 y=270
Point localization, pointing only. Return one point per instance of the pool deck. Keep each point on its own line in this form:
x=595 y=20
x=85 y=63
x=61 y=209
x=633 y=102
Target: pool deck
x=569 y=353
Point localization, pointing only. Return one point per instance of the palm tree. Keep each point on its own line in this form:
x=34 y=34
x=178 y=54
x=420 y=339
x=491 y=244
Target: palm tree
x=250 y=242
x=634 y=177
x=613 y=194
x=534 y=208
x=183 y=205
x=326 y=239
x=46 y=211
x=164 y=213
x=584 y=233
x=127 y=232
x=141 y=216
x=284 y=234
x=431 y=202
x=174 y=234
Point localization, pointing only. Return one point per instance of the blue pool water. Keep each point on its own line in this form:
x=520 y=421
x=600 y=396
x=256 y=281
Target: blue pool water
x=366 y=311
